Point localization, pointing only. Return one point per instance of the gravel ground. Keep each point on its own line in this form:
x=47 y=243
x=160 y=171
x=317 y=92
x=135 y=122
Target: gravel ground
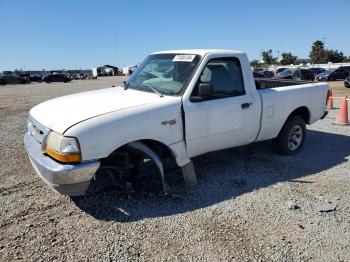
x=238 y=212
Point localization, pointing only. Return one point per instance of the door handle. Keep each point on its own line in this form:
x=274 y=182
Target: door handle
x=246 y=105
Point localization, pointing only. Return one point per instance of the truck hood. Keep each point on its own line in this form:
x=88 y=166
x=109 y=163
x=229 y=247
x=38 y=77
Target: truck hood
x=61 y=113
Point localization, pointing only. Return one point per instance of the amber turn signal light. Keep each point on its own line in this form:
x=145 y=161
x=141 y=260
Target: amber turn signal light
x=63 y=157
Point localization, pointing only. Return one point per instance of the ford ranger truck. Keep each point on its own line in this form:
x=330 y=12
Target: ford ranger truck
x=177 y=104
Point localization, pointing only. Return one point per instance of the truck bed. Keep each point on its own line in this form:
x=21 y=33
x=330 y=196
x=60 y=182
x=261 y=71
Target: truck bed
x=263 y=83
x=280 y=97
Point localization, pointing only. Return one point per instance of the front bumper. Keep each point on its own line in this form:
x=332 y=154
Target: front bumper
x=67 y=179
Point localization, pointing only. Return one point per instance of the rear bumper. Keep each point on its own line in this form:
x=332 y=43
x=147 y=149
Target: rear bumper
x=68 y=179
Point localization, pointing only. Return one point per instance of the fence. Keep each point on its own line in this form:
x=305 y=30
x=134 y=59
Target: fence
x=308 y=65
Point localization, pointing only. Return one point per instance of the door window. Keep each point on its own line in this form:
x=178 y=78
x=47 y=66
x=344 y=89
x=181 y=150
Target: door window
x=225 y=76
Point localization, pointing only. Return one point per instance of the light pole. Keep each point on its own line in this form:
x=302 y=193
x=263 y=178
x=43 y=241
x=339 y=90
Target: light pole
x=329 y=66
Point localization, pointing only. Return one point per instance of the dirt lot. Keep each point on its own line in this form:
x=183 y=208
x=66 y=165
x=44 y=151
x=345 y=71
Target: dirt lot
x=237 y=212
x=339 y=89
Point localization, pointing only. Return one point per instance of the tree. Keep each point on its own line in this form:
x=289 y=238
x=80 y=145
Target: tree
x=320 y=55
x=335 y=56
x=255 y=63
x=268 y=57
x=317 y=54
x=288 y=58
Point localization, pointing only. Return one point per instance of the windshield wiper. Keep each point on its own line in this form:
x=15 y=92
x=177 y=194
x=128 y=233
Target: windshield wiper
x=127 y=85
x=153 y=89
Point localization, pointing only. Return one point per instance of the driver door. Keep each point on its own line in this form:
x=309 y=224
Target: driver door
x=229 y=118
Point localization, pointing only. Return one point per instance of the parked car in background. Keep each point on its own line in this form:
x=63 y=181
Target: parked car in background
x=261 y=72
x=36 y=78
x=25 y=76
x=298 y=74
x=82 y=76
x=32 y=78
x=13 y=80
x=317 y=70
x=72 y=76
x=56 y=78
x=258 y=74
x=304 y=74
x=324 y=76
x=268 y=74
x=281 y=69
x=347 y=82
x=339 y=74
x=285 y=74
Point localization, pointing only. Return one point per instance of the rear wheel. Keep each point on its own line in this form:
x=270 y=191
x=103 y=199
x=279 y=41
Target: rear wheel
x=292 y=136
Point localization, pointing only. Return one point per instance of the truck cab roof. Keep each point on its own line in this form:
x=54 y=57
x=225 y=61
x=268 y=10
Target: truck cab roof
x=200 y=52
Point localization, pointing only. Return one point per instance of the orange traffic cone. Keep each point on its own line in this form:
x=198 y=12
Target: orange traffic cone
x=342 y=118
x=329 y=99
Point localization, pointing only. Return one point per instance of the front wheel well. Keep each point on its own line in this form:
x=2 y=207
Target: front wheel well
x=133 y=167
x=162 y=150
x=159 y=148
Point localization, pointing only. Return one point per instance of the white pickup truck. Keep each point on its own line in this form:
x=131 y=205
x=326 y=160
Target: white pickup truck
x=177 y=104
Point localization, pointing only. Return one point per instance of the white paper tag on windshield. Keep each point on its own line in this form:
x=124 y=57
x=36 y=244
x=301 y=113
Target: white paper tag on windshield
x=183 y=58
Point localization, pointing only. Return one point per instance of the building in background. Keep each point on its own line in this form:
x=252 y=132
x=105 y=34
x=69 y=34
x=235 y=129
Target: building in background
x=106 y=70
x=129 y=70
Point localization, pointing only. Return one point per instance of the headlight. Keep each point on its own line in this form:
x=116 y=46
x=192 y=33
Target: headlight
x=63 y=149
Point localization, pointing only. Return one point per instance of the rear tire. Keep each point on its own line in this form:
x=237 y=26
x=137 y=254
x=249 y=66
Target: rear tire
x=292 y=136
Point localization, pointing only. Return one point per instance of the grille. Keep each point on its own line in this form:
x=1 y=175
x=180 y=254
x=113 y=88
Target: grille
x=38 y=131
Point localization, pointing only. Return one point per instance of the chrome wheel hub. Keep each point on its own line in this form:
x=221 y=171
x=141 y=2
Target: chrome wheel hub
x=295 y=138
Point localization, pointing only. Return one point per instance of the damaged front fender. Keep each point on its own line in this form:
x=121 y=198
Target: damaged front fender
x=150 y=153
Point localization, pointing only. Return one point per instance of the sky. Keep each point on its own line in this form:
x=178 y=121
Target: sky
x=78 y=34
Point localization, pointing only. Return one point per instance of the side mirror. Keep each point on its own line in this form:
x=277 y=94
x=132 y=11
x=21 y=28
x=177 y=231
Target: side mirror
x=205 y=91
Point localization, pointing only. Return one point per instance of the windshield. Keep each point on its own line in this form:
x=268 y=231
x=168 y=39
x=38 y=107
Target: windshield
x=165 y=73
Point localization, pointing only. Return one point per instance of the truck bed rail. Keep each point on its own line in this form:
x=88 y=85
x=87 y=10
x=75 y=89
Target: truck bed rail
x=263 y=83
